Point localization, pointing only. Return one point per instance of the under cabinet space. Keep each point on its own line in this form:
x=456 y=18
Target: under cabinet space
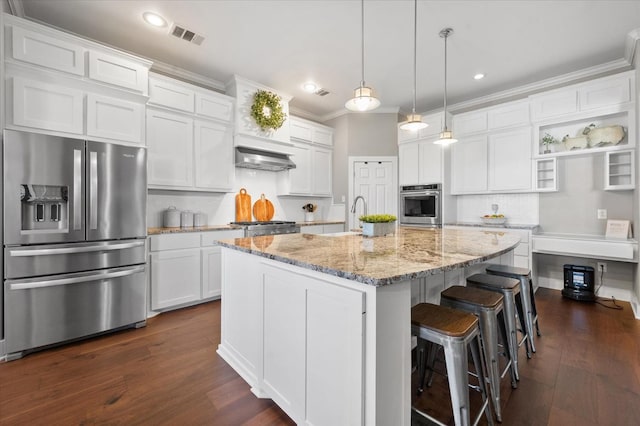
x=619 y=170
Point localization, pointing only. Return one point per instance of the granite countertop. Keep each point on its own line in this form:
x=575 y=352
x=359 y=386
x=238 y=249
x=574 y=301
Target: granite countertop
x=411 y=253
x=525 y=226
x=178 y=230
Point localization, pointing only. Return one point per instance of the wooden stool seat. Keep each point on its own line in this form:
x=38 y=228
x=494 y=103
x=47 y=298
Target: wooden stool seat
x=508 y=271
x=448 y=321
x=495 y=281
x=482 y=298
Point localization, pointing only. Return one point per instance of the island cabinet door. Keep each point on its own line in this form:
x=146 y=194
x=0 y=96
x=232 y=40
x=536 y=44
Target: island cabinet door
x=334 y=355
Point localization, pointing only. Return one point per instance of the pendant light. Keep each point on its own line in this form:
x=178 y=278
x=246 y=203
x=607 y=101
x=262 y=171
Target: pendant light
x=446 y=136
x=363 y=97
x=414 y=121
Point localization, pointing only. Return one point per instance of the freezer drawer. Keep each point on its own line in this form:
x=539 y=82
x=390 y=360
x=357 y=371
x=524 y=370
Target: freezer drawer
x=38 y=260
x=49 y=310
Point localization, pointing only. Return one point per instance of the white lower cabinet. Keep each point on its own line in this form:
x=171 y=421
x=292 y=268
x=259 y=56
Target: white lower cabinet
x=175 y=278
x=186 y=267
x=295 y=338
x=211 y=280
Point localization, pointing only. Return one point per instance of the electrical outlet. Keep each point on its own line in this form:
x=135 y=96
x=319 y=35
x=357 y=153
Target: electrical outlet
x=343 y=199
x=602 y=213
x=602 y=267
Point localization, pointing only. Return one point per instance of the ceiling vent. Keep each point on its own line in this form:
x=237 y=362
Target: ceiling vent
x=321 y=92
x=185 y=34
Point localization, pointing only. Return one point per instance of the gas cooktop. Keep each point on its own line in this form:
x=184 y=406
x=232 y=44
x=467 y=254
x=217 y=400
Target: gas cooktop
x=269 y=227
x=267 y=222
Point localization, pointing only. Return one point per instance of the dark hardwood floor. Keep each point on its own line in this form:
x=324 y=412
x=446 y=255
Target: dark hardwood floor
x=586 y=372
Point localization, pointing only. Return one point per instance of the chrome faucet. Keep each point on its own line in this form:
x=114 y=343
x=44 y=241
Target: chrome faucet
x=364 y=204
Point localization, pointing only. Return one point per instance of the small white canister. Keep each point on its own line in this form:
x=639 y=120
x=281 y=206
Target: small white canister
x=171 y=217
x=186 y=219
x=199 y=219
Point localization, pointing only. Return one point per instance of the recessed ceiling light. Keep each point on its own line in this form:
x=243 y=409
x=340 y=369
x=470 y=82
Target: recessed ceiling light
x=154 y=19
x=478 y=76
x=310 y=87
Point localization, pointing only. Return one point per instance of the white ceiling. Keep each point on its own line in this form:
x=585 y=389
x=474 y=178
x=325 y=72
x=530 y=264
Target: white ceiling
x=283 y=43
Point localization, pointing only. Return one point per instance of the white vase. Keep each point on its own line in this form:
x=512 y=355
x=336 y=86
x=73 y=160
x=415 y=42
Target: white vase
x=378 y=229
x=309 y=217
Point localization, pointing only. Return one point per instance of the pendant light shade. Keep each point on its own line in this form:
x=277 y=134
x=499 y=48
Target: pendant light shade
x=446 y=136
x=414 y=121
x=363 y=97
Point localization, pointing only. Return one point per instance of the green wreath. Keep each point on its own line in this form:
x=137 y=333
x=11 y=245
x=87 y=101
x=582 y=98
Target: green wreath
x=267 y=110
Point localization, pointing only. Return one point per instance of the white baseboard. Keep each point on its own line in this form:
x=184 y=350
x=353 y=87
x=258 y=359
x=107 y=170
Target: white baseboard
x=606 y=292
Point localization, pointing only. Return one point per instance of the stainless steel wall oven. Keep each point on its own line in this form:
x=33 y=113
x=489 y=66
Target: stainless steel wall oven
x=74 y=223
x=421 y=205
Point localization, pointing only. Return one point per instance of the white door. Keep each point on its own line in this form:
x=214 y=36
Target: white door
x=214 y=162
x=374 y=180
x=210 y=263
x=175 y=278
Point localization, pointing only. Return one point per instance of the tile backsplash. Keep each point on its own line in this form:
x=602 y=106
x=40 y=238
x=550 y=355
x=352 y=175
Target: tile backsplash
x=518 y=208
x=220 y=207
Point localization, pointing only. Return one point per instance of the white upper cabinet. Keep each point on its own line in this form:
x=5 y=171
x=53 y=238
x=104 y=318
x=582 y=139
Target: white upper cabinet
x=470 y=122
x=214 y=105
x=308 y=131
x=39 y=49
x=298 y=181
x=510 y=160
x=168 y=93
x=170 y=155
x=213 y=148
x=118 y=71
x=420 y=163
x=202 y=158
x=321 y=171
x=512 y=114
x=69 y=86
x=113 y=118
x=469 y=165
x=46 y=106
x=608 y=94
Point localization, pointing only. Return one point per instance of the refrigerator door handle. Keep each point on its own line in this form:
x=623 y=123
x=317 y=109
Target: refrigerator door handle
x=77 y=189
x=93 y=190
x=74 y=280
x=70 y=250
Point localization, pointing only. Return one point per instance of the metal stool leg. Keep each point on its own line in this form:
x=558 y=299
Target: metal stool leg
x=533 y=307
x=489 y=339
x=455 y=354
x=522 y=316
x=481 y=370
x=511 y=366
x=525 y=297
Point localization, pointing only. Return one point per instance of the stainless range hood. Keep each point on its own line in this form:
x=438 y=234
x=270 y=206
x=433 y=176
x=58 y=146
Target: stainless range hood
x=251 y=158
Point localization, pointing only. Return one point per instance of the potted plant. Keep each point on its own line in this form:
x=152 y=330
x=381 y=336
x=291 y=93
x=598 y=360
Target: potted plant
x=375 y=225
x=548 y=140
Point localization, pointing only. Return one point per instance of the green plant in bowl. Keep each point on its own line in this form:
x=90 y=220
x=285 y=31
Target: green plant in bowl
x=377 y=218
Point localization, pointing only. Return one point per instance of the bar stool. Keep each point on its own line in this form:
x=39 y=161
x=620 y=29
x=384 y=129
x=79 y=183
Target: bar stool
x=510 y=290
x=528 y=296
x=487 y=306
x=456 y=331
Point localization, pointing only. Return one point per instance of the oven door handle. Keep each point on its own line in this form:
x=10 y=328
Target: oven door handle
x=75 y=280
x=71 y=250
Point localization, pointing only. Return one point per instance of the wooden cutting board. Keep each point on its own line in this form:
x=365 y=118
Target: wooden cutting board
x=263 y=209
x=243 y=206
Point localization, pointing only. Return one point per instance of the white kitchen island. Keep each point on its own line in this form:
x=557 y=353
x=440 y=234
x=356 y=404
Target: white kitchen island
x=321 y=324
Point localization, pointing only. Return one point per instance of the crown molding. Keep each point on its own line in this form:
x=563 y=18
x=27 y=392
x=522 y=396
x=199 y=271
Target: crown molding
x=304 y=114
x=631 y=45
x=187 y=76
x=520 y=92
x=16 y=8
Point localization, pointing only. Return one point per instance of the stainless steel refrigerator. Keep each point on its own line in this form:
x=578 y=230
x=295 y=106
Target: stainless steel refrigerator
x=74 y=234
